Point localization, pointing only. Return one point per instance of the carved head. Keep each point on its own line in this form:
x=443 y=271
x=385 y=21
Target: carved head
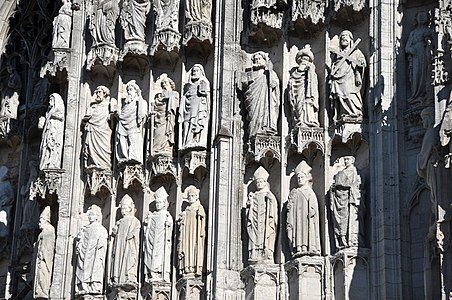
x=345 y=39
x=102 y=92
x=55 y=101
x=166 y=83
x=259 y=59
x=127 y=206
x=94 y=213
x=192 y=194
x=422 y=17
x=305 y=54
x=428 y=116
x=303 y=171
x=133 y=90
x=260 y=178
x=349 y=161
x=160 y=198
x=197 y=72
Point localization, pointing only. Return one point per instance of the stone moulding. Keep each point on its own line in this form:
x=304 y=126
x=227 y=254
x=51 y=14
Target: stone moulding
x=97 y=179
x=263 y=146
x=304 y=136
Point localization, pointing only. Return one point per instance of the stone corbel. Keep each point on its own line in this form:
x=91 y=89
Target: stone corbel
x=165 y=47
x=163 y=164
x=198 y=39
x=266 y=25
x=196 y=163
x=134 y=56
x=130 y=173
x=308 y=17
x=58 y=63
x=101 y=61
x=157 y=290
x=304 y=137
x=49 y=182
x=98 y=179
x=265 y=149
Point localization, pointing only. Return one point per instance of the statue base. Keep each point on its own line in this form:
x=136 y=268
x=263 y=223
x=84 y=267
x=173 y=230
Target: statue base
x=101 y=61
x=309 y=19
x=131 y=174
x=266 y=24
x=303 y=137
x=306 y=277
x=346 y=131
x=123 y=292
x=198 y=39
x=98 y=180
x=157 y=291
x=163 y=164
x=48 y=183
x=190 y=288
x=134 y=57
x=263 y=281
x=347 y=265
x=194 y=160
x=58 y=63
x=264 y=148
x=349 y=12
x=165 y=47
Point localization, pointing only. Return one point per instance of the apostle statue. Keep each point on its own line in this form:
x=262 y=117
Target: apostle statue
x=45 y=247
x=125 y=252
x=62 y=26
x=103 y=21
x=133 y=19
x=97 y=144
x=192 y=235
x=129 y=131
x=198 y=20
x=195 y=109
x=164 y=110
x=167 y=15
x=6 y=204
x=91 y=248
x=303 y=215
x=158 y=231
x=304 y=90
x=418 y=48
x=262 y=218
x=262 y=96
x=347 y=206
x=346 y=80
x=52 y=136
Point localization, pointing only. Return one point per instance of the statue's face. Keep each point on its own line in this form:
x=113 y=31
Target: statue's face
x=302 y=179
x=259 y=60
x=196 y=73
x=126 y=209
x=92 y=216
x=160 y=203
x=422 y=17
x=348 y=161
x=100 y=95
x=166 y=85
x=131 y=91
x=51 y=101
x=193 y=196
x=345 y=40
x=260 y=183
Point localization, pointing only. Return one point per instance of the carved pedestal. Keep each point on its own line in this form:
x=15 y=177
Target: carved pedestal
x=266 y=26
x=346 y=130
x=263 y=281
x=165 y=47
x=123 y=292
x=264 y=147
x=163 y=164
x=59 y=61
x=157 y=291
x=101 y=61
x=350 y=274
x=134 y=56
x=190 y=288
x=198 y=38
x=48 y=182
x=194 y=160
x=131 y=173
x=98 y=179
x=304 y=136
x=308 y=17
x=306 y=278
x=349 y=11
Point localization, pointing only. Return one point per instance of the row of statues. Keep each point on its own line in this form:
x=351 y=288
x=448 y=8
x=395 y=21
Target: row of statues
x=92 y=239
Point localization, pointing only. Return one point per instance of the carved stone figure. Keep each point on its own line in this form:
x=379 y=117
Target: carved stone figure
x=97 y=145
x=45 y=247
x=195 y=109
x=10 y=101
x=129 y=140
x=91 y=248
x=303 y=215
x=52 y=135
x=30 y=216
x=347 y=206
x=262 y=218
x=167 y=15
x=165 y=108
x=103 y=22
x=418 y=47
x=198 y=22
x=346 y=79
x=158 y=231
x=6 y=205
x=133 y=19
x=126 y=246
x=62 y=26
x=304 y=90
x=192 y=235
x=262 y=96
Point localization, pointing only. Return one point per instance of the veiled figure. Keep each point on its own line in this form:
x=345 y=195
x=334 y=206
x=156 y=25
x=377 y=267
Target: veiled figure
x=304 y=90
x=165 y=107
x=158 y=231
x=198 y=11
x=11 y=101
x=126 y=246
x=192 y=235
x=262 y=218
x=103 y=22
x=133 y=19
x=91 y=248
x=346 y=79
x=129 y=141
x=45 y=247
x=418 y=48
x=97 y=146
x=347 y=206
x=303 y=215
x=167 y=15
x=262 y=96
x=52 y=134
x=62 y=26
x=195 y=109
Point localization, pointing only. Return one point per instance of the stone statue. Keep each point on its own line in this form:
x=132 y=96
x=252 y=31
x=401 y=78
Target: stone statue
x=6 y=205
x=347 y=206
x=126 y=246
x=45 y=247
x=346 y=79
x=52 y=135
x=198 y=20
x=195 y=109
x=192 y=235
x=129 y=131
x=62 y=26
x=158 y=231
x=97 y=145
x=304 y=90
x=262 y=96
x=91 y=248
x=418 y=48
x=303 y=215
x=10 y=101
x=262 y=218
x=167 y=15
x=165 y=107
x=133 y=19
x=103 y=21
